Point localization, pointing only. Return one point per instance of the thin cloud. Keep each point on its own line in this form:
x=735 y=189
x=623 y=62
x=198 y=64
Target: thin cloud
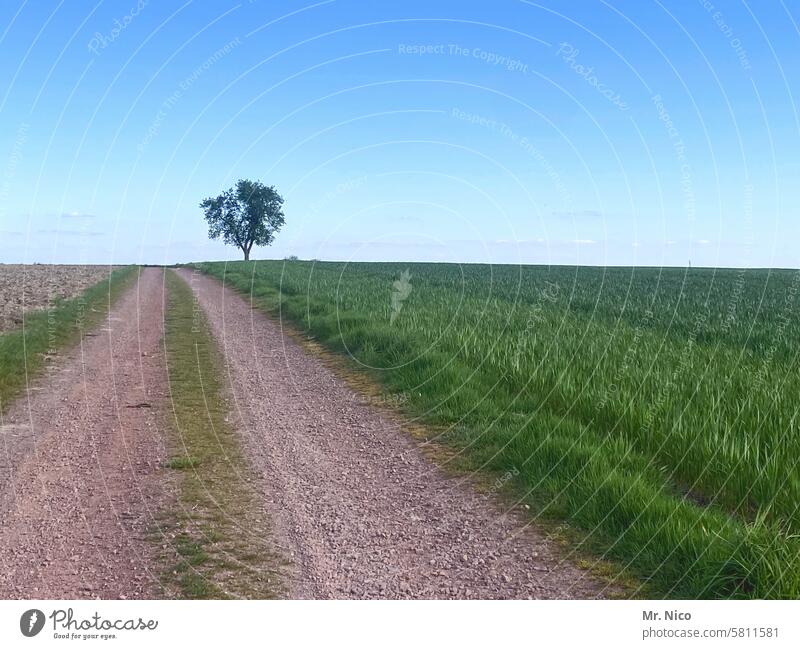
x=77 y=215
x=520 y=242
x=408 y=217
x=578 y=213
x=72 y=233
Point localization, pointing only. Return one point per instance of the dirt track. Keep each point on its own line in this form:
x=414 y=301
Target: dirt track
x=78 y=462
x=359 y=510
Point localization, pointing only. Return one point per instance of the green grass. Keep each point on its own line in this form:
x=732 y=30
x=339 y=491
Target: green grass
x=23 y=352
x=183 y=462
x=218 y=533
x=654 y=409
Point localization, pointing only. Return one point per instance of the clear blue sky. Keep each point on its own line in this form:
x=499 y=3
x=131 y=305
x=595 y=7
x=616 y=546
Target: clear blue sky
x=619 y=132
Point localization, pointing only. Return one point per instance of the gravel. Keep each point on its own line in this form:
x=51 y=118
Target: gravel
x=80 y=478
x=356 y=507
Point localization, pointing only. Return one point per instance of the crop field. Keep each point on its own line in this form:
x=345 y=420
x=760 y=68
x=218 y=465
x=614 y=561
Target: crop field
x=654 y=409
x=24 y=289
x=59 y=304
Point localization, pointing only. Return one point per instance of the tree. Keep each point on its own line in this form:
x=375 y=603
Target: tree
x=247 y=215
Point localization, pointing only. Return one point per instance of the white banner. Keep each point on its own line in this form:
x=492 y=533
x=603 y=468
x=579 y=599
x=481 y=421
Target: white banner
x=383 y=623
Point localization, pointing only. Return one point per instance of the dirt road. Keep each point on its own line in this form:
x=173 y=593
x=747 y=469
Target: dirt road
x=78 y=463
x=355 y=505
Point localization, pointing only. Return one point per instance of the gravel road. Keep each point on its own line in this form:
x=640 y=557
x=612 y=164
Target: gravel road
x=358 y=509
x=79 y=462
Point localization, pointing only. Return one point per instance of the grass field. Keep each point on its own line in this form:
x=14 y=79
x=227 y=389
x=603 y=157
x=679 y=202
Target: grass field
x=24 y=351
x=654 y=409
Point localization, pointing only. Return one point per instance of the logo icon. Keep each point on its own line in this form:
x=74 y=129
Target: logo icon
x=400 y=292
x=31 y=622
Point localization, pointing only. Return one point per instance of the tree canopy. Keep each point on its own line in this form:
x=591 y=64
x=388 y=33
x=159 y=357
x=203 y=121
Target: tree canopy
x=247 y=215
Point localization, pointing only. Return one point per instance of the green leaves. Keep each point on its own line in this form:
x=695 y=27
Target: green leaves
x=245 y=215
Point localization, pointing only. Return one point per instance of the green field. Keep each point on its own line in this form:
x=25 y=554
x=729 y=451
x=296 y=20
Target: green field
x=655 y=409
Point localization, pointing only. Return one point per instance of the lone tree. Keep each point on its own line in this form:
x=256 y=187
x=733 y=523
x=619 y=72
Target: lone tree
x=246 y=215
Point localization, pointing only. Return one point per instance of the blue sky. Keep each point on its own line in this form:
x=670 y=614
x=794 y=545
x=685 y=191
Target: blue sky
x=619 y=132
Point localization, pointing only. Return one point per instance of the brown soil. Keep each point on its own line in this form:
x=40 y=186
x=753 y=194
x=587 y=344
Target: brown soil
x=29 y=288
x=355 y=505
x=79 y=460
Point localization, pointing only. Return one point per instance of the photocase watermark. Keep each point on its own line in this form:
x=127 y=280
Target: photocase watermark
x=687 y=186
x=102 y=41
x=569 y=53
x=505 y=131
x=197 y=310
x=503 y=480
x=739 y=286
x=170 y=102
x=558 y=533
x=546 y=295
x=401 y=289
x=685 y=363
x=421 y=50
x=31 y=622
x=381 y=400
x=510 y=63
x=340 y=190
x=727 y=32
x=785 y=319
x=66 y=626
x=13 y=163
x=491 y=58
x=478 y=120
x=627 y=360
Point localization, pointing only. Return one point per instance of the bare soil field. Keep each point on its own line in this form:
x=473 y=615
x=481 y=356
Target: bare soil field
x=25 y=288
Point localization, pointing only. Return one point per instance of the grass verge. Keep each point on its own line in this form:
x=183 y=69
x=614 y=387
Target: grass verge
x=24 y=352
x=219 y=534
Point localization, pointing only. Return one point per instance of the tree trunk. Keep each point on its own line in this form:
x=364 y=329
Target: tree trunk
x=246 y=254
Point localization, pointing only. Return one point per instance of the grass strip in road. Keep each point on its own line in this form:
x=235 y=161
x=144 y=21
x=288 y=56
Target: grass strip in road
x=219 y=536
x=25 y=352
